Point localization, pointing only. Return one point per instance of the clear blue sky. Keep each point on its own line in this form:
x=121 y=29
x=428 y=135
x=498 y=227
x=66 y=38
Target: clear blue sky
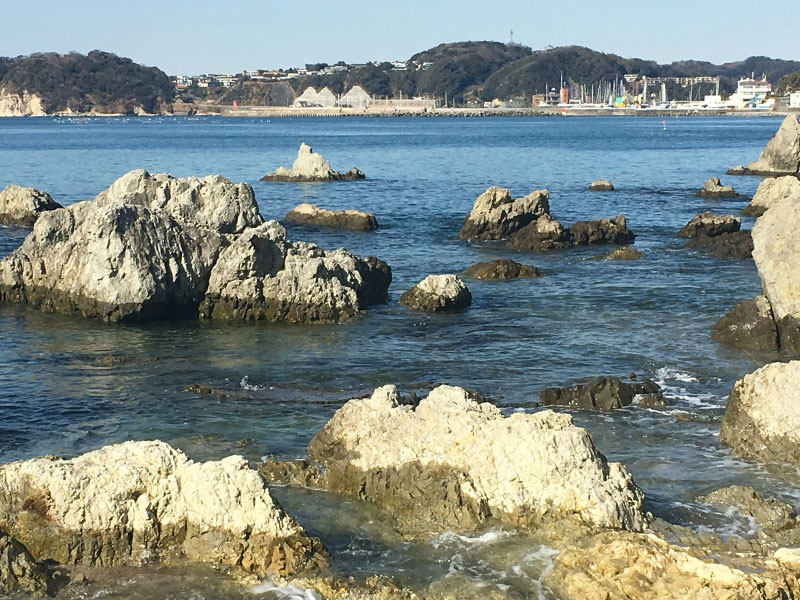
x=196 y=36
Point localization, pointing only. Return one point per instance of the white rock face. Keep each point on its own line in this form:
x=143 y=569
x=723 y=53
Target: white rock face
x=438 y=293
x=524 y=469
x=771 y=191
x=762 y=419
x=781 y=155
x=23 y=205
x=137 y=502
x=310 y=166
x=495 y=215
x=25 y=105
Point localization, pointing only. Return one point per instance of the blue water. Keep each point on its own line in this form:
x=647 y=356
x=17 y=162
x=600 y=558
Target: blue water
x=69 y=385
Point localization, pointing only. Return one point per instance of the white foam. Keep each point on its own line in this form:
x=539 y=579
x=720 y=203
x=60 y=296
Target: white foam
x=246 y=385
x=665 y=373
x=490 y=537
x=284 y=592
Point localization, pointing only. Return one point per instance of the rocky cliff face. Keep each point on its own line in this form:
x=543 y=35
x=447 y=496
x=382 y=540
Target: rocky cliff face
x=20 y=105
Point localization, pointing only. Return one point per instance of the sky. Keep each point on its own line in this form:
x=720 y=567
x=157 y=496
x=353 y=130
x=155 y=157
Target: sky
x=229 y=36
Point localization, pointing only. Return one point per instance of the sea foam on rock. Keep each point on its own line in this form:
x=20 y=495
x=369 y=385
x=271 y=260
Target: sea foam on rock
x=23 y=205
x=139 y=502
x=451 y=463
x=310 y=167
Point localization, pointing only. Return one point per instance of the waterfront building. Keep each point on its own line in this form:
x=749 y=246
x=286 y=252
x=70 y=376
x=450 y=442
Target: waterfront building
x=794 y=100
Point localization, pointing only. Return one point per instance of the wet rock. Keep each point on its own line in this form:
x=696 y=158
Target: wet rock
x=548 y=234
x=781 y=155
x=771 y=191
x=748 y=325
x=263 y=276
x=450 y=463
x=604 y=393
x=502 y=268
x=137 y=502
x=789 y=334
x=495 y=215
x=738 y=245
x=622 y=253
x=737 y=170
x=310 y=167
x=309 y=214
x=19 y=572
x=712 y=188
x=545 y=233
x=600 y=231
x=23 y=205
x=707 y=224
x=438 y=293
x=601 y=185
x=768 y=513
x=761 y=419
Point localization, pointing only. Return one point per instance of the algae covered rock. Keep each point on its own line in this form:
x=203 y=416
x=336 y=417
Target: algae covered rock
x=622 y=253
x=501 y=269
x=707 y=224
x=310 y=167
x=604 y=393
x=547 y=233
x=438 y=293
x=19 y=572
x=748 y=325
x=23 y=205
x=495 y=215
x=309 y=214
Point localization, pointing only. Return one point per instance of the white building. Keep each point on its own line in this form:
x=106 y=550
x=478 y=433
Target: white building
x=356 y=97
x=226 y=80
x=794 y=100
x=751 y=92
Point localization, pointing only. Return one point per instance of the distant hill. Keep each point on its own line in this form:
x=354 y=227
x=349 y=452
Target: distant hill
x=100 y=82
x=789 y=83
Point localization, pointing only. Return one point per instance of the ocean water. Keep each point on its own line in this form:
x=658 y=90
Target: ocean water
x=69 y=385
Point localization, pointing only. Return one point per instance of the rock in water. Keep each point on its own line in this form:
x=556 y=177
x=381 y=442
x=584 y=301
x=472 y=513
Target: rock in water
x=136 y=502
x=622 y=253
x=781 y=155
x=762 y=419
x=604 y=393
x=451 y=463
x=548 y=234
x=18 y=570
x=438 y=293
x=748 y=325
x=738 y=244
x=707 y=224
x=23 y=205
x=309 y=214
x=712 y=188
x=495 y=215
x=601 y=185
x=769 y=513
x=771 y=191
x=263 y=276
x=502 y=268
x=310 y=167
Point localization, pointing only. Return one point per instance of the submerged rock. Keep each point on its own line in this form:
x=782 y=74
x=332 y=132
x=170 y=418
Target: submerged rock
x=501 y=269
x=19 y=572
x=601 y=185
x=781 y=155
x=748 y=325
x=604 y=393
x=23 y=205
x=310 y=167
x=309 y=214
x=622 y=253
x=771 y=191
x=738 y=244
x=438 y=293
x=133 y=503
x=548 y=234
x=707 y=224
x=712 y=188
x=495 y=215
x=768 y=513
x=451 y=463
x=762 y=420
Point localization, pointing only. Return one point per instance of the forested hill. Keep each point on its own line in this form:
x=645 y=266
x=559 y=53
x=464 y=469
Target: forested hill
x=99 y=81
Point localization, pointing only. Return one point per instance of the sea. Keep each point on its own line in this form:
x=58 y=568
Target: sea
x=69 y=385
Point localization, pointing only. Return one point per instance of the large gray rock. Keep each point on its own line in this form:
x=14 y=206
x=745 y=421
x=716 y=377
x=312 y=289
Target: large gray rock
x=604 y=393
x=712 y=188
x=495 y=215
x=707 y=224
x=548 y=234
x=263 y=276
x=781 y=155
x=137 y=502
x=771 y=191
x=310 y=167
x=18 y=569
x=748 y=325
x=23 y=205
x=310 y=214
x=762 y=419
x=438 y=293
x=452 y=463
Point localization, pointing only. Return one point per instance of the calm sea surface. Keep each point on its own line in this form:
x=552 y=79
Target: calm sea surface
x=69 y=385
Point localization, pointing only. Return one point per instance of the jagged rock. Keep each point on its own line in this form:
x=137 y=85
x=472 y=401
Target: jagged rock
x=707 y=224
x=137 y=502
x=748 y=325
x=601 y=185
x=548 y=234
x=761 y=419
x=604 y=393
x=781 y=155
x=771 y=191
x=263 y=276
x=450 y=463
x=18 y=570
x=438 y=293
x=23 y=205
x=309 y=214
x=310 y=167
x=622 y=253
x=768 y=513
x=502 y=268
x=712 y=188
x=738 y=244
x=495 y=215
x=622 y=566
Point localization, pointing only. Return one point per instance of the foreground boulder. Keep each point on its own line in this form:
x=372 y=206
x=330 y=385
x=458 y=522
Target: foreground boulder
x=23 y=205
x=501 y=269
x=781 y=155
x=771 y=191
x=712 y=188
x=136 y=502
x=495 y=215
x=438 y=293
x=601 y=185
x=263 y=276
x=451 y=463
x=309 y=214
x=762 y=420
x=548 y=234
x=748 y=325
x=19 y=572
x=310 y=167
x=604 y=393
